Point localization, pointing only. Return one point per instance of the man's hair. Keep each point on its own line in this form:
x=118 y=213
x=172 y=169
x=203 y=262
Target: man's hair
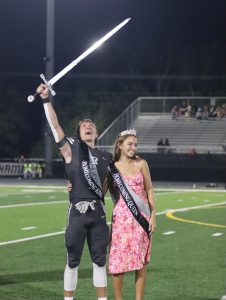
x=77 y=128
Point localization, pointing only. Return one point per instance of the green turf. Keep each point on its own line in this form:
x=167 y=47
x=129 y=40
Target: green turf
x=189 y=264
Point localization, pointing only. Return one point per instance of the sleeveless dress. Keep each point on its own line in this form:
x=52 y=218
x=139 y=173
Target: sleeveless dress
x=130 y=246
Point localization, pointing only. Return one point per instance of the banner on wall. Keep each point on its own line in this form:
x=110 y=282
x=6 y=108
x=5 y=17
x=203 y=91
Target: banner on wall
x=11 y=169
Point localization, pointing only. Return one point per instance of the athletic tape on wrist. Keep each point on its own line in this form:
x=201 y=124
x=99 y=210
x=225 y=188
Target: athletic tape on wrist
x=46 y=100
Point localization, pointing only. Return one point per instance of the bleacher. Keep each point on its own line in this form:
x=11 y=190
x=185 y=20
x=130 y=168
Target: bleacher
x=183 y=133
x=151 y=117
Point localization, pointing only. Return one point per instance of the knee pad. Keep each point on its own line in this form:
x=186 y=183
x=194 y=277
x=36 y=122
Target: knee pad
x=99 y=276
x=70 y=278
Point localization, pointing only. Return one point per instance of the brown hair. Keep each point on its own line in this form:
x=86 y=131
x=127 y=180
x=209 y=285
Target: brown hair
x=116 y=155
x=77 y=128
x=119 y=140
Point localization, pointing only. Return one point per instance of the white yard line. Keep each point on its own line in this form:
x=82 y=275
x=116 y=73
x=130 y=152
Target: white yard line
x=21 y=186
x=217 y=234
x=31 y=238
x=29 y=228
x=33 y=204
x=192 y=207
x=168 y=232
x=39 y=203
x=62 y=232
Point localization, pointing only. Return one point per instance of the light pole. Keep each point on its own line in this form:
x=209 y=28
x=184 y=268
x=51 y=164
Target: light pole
x=49 y=59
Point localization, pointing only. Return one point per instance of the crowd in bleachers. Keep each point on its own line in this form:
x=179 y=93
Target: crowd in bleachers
x=198 y=112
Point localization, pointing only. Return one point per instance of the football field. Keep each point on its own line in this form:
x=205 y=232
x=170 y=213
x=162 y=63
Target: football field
x=188 y=252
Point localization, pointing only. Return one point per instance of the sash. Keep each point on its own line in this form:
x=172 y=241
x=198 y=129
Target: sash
x=129 y=199
x=89 y=171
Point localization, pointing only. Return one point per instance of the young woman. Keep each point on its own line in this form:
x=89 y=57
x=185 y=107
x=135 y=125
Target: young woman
x=133 y=219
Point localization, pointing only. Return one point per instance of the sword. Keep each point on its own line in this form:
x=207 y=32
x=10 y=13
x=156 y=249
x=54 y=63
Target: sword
x=75 y=62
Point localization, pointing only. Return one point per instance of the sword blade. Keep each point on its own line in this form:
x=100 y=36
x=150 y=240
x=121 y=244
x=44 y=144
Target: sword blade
x=87 y=52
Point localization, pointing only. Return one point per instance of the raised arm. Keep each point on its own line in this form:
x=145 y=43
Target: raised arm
x=150 y=193
x=52 y=119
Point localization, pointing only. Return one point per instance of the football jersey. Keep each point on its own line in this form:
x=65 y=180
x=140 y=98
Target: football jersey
x=80 y=189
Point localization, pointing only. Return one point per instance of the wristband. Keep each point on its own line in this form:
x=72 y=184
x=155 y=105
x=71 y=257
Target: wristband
x=62 y=142
x=46 y=100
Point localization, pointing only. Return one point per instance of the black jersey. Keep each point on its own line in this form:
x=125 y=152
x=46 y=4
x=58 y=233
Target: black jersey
x=80 y=190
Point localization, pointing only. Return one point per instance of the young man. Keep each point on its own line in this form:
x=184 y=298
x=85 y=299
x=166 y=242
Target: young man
x=86 y=167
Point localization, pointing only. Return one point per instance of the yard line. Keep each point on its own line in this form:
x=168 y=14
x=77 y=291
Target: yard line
x=34 y=186
x=32 y=204
x=29 y=228
x=62 y=232
x=179 y=191
x=168 y=232
x=217 y=234
x=38 y=203
x=31 y=238
x=194 y=207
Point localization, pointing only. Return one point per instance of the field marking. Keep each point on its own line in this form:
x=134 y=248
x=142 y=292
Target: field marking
x=62 y=232
x=38 y=203
x=33 y=204
x=168 y=232
x=31 y=238
x=170 y=215
x=29 y=228
x=221 y=190
x=36 y=237
x=22 y=186
x=217 y=234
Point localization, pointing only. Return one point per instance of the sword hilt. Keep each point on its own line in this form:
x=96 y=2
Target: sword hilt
x=53 y=93
x=31 y=98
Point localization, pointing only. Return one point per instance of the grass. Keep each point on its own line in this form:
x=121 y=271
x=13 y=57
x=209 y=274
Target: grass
x=187 y=264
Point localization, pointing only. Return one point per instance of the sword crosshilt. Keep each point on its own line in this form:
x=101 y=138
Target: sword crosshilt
x=75 y=62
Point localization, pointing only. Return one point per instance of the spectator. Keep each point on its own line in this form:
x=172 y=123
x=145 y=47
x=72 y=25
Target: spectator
x=193 y=152
x=175 y=112
x=166 y=146
x=198 y=114
x=28 y=170
x=160 y=145
x=167 y=143
x=205 y=114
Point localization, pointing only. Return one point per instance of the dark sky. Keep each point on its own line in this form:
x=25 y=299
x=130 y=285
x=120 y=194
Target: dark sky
x=80 y=22
x=138 y=49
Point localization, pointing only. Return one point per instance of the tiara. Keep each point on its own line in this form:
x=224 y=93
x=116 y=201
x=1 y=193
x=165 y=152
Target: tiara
x=128 y=132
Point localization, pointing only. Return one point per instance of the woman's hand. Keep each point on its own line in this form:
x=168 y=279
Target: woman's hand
x=69 y=186
x=152 y=223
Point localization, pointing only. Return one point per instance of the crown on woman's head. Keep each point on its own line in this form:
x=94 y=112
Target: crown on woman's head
x=128 y=132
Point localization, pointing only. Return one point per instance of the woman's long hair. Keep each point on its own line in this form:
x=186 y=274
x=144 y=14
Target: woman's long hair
x=117 y=150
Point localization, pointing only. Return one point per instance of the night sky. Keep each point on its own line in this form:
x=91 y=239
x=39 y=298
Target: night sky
x=81 y=22
x=140 y=48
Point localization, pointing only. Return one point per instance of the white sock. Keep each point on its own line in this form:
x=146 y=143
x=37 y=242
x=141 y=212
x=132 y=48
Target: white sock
x=68 y=298
x=99 y=276
x=102 y=298
x=70 y=279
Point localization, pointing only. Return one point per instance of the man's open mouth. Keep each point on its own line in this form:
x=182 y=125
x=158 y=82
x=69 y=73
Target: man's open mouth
x=88 y=133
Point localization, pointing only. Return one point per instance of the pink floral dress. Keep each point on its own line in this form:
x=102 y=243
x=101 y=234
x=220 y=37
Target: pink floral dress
x=130 y=246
